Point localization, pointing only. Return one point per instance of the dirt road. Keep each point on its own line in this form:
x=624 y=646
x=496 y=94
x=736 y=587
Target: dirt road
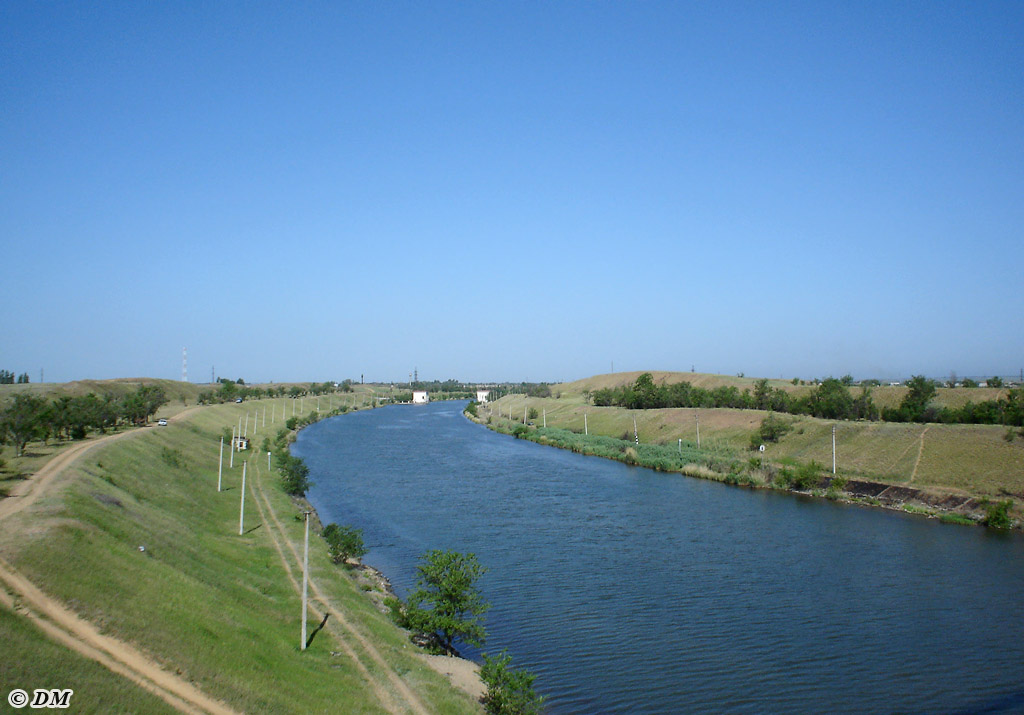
x=66 y=627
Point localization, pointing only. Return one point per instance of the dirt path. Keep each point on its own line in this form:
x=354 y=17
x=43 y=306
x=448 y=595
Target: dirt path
x=920 y=452
x=338 y=624
x=65 y=626
x=43 y=482
x=84 y=638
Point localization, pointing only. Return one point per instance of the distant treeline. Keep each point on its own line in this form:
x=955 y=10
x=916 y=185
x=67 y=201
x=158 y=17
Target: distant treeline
x=832 y=399
x=229 y=391
x=7 y=378
x=28 y=418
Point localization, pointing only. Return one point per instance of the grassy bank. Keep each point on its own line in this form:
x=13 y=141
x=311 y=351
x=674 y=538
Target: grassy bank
x=968 y=460
x=220 y=609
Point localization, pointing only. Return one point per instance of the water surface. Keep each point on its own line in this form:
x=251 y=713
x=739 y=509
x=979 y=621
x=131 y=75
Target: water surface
x=629 y=590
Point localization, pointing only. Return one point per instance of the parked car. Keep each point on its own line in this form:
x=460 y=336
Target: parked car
x=162 y=422
x=238 y=400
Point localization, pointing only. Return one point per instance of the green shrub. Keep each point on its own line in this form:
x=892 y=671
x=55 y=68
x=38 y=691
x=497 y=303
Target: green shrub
x=172 y=458
x=956 y=519
x=344 y=543
x=997 y=516
x=471 y=409
x=509 y=691
x=805 y=477
x=294 y=474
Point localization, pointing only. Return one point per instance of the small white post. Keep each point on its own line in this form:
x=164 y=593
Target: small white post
x=680 y=446
x=268 y=461
x=586 y=430
x=697 y=417
x=833 y=449
x=305 y=581
x=246 y=433
x=545 y=418
x=241 y=511
x=636 y=435
x=220 y=465
x=232 y=465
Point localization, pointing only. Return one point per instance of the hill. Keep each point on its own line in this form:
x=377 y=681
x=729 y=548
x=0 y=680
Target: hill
x=965 y=459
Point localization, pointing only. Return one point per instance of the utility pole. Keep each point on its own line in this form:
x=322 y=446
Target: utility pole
x=232 y=450
x=545 y=418
x=833 y=449
x=241 y=510
x=220 y=466
x=696 y=416
x=680 y=446
x=305 y=581
x=636 y=435
x=586 y=430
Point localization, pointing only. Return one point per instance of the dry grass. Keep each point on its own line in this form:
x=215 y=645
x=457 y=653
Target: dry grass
x=969 y=458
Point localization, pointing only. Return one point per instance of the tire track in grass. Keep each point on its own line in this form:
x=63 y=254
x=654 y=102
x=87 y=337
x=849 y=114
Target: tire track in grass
x=276 y=532
x=81 y=636
x=349 y=629
x=71 y=630
x=920 y=452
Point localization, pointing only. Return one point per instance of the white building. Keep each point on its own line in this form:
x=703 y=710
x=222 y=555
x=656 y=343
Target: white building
x=420 y=397
x=481 y=396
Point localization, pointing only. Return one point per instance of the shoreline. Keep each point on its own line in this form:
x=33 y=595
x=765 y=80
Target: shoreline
x=461 y=672
x=947 y=507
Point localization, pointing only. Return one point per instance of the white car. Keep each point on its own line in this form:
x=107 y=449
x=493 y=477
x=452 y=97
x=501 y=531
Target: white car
x=162 y=422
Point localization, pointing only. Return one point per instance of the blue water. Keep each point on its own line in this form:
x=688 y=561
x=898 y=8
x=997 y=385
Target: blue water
x=629 y=590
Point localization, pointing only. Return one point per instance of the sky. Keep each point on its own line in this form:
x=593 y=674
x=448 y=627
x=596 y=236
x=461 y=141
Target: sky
x=527 y=191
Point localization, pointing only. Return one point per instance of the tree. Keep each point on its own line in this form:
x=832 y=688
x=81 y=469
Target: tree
x=447 y=584
x=23 y=378
x=294 y=474
x=22 y=421
x=344 y=543
x=509 y=691
x=922 y=390
x=831 y=400
x=992 y=382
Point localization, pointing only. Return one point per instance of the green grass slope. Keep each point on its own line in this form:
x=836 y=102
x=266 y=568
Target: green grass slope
x=217 y=607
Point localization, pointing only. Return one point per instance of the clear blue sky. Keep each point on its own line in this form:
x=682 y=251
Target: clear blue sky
x=522 y=190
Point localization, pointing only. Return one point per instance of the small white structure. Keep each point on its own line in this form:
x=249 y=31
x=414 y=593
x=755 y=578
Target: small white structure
x=240 y=443
x=420 y=397
x=481 y=396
